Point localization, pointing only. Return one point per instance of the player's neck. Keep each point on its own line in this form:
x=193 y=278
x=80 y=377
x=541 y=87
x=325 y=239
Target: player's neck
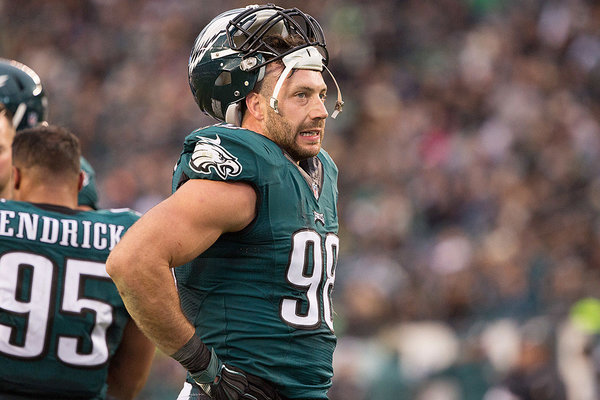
x=252 y=124
x=6 y=193
x=59 y=196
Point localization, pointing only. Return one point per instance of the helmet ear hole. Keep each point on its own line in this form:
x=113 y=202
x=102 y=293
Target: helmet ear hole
x=223 y=79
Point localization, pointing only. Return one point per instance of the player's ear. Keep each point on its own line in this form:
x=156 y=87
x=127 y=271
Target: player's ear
x=80 y=182
x=253 y=106
x=16 y=176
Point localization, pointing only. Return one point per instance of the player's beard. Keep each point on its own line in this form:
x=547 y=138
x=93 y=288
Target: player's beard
x=281 y=131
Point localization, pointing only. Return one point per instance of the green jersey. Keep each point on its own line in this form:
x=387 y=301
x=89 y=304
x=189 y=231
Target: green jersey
x=261 y=297
x=61 y=316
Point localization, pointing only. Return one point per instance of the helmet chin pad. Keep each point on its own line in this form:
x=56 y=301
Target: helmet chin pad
x=233 y=115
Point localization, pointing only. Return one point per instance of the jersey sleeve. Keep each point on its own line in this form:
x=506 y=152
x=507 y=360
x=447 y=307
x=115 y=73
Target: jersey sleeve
x=221 y=154
x=123 y=216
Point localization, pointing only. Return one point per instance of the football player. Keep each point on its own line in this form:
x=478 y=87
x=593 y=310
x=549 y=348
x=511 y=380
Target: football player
x=64 y=330
x=252 y=222
x=23 y=95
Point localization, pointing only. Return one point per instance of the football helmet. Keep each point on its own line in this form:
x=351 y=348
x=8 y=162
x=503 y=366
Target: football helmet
x=22 y=94
x=230 y=54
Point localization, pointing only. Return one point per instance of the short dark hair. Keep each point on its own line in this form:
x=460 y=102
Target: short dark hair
x=6 y=112
x=53 y=148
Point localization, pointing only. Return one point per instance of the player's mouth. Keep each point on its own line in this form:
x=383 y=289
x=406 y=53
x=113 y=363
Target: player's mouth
x=311 y=134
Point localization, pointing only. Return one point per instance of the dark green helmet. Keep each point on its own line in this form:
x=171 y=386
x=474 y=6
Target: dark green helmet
x=229 y=55
x=22 y=94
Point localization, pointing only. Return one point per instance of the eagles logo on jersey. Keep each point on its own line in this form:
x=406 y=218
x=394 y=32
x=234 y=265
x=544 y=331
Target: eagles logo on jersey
x=209 y=154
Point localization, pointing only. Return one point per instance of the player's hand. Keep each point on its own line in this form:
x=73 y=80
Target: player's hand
x=260 y=389
x=223 y=382
x=231 y=384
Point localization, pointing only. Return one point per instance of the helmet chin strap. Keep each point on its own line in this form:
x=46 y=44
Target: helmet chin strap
x=19 y=113
x=305 y=58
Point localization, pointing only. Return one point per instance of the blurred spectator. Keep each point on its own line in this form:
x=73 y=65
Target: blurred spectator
x=535 y=375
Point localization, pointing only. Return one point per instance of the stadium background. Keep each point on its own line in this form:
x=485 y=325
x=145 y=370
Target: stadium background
x=469 y=151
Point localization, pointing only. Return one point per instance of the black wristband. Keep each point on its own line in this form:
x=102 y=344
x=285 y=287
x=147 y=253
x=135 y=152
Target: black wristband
x=194 y=355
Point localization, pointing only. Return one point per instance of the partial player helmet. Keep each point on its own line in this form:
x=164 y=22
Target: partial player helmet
x=88 y=195
x=22 y=93
x=229 y=55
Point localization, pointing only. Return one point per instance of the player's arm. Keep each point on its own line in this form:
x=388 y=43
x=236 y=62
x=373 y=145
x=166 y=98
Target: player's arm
x=170 y=234
x=130 y=365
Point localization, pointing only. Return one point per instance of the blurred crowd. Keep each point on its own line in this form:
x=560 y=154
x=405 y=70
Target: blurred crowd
x=469 y=157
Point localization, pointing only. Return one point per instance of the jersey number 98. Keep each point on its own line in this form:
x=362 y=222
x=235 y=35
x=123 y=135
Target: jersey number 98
x=305 y=272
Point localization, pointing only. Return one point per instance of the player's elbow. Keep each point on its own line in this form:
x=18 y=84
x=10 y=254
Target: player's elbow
x=119 y=263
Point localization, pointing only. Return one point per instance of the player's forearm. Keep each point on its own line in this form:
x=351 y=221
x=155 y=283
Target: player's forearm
x=129 y=367
x=149 y=293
